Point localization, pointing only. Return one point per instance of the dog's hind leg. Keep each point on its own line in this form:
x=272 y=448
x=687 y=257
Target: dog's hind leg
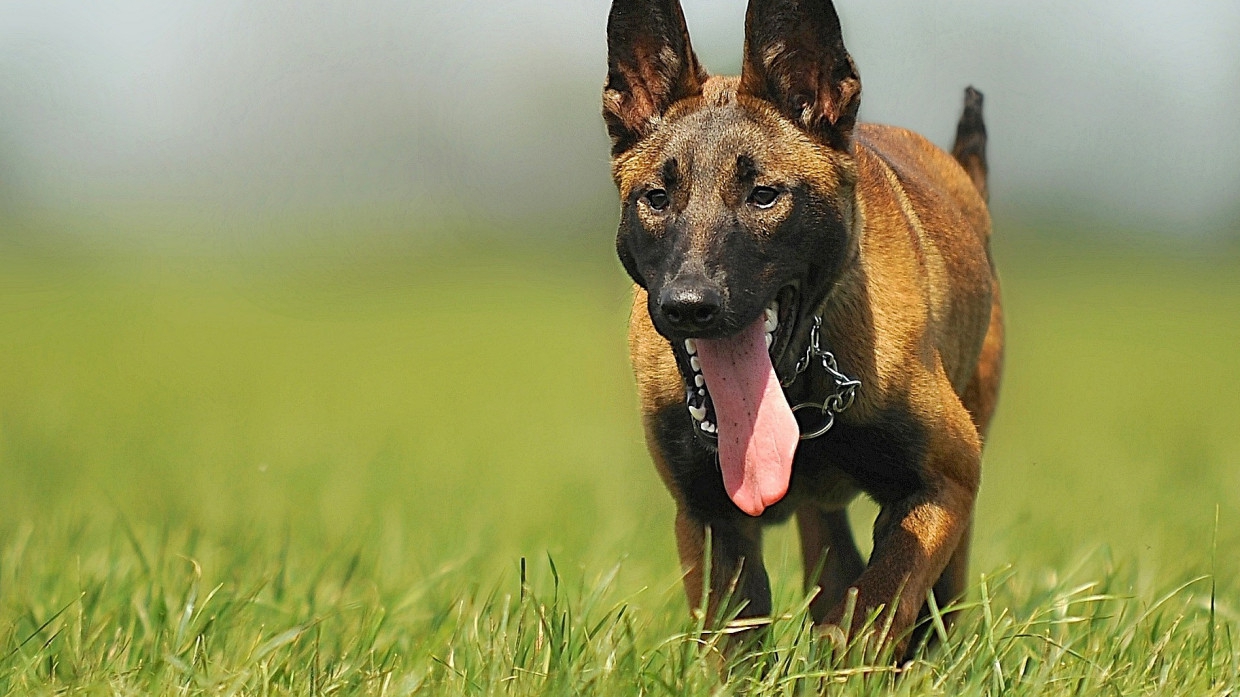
x=832 y=562
x=970 y=147
x=982 y=393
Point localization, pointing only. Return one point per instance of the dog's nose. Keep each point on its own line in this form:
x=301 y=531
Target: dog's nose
x=694 y=306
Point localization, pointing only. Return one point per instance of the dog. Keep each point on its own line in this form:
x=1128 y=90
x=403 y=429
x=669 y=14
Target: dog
x=816 y=313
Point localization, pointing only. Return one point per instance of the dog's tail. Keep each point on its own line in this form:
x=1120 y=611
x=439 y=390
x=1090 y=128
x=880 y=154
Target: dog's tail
x=970 y=148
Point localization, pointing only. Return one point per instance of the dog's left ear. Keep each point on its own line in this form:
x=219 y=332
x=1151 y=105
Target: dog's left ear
x=795 y=59
x=651 y=66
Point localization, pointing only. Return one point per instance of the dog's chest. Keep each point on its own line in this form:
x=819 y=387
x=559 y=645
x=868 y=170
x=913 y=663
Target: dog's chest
x=882 y=458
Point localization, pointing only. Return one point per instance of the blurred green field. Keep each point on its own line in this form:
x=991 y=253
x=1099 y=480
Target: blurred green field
x=319 y=474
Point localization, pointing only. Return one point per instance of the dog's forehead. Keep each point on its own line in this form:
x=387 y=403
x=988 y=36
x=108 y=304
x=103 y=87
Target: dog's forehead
x=702 y=138
x=711 y=137
x=706 y=140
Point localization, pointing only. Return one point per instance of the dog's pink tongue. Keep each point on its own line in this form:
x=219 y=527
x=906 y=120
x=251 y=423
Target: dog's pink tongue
x=758 y=434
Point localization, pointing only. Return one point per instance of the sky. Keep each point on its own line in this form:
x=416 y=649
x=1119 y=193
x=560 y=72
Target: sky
x=1128 y=109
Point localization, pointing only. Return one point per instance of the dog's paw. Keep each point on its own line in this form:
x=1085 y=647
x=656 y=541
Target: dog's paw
x=834 y=634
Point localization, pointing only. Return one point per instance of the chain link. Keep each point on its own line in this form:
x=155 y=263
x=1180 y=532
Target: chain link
x=838 y=401
x=845 y=387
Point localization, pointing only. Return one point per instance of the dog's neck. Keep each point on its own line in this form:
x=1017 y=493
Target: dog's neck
x=838 y=304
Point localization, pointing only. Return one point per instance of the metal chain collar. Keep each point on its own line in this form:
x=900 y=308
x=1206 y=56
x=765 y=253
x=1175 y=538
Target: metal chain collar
x=845 y=387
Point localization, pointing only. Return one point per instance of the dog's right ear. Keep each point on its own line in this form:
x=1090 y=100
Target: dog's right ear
x=651 y=66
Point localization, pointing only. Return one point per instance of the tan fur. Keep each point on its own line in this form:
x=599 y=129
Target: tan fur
x=924 y=280
x=913 y=309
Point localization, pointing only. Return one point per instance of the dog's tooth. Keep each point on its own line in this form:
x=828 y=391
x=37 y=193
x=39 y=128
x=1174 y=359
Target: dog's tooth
x=691 y=347
x=708 y=427
x=702 y=392
x=770 y=339
x=772 y=323
x=695 y=364
x=699 y=380
x=698 y=413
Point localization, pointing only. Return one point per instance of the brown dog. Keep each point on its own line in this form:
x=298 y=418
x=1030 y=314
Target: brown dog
x=754 y=211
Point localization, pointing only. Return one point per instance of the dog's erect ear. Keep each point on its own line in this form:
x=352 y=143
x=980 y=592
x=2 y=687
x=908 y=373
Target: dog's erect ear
x=795 y=58
x=650 y=67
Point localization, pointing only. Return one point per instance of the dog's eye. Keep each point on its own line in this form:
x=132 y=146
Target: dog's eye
x=763 y=196
x=658 y=199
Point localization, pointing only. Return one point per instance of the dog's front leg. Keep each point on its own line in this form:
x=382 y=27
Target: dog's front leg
x=831 y=560
x=737 y=577
x=915 y=537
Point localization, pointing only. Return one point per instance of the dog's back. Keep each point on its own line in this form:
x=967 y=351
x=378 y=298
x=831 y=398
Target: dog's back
x=927 y=181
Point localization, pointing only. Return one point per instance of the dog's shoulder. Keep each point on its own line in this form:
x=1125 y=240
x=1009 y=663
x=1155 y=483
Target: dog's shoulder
x=933 y=182
x=925 y=244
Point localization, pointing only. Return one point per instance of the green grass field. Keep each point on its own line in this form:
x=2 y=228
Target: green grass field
x=320 y=475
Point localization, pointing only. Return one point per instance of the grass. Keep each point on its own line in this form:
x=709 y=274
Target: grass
x=349 y=474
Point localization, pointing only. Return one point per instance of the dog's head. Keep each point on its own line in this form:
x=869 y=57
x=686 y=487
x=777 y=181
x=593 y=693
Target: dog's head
x=736 y=193
x=737 y=199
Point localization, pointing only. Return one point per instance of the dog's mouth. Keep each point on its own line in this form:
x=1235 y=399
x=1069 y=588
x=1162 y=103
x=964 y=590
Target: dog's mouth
x=738 y=406
x=779 y=320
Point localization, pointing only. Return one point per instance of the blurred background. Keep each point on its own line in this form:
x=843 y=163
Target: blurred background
x=344 y=269
x=200 y=124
